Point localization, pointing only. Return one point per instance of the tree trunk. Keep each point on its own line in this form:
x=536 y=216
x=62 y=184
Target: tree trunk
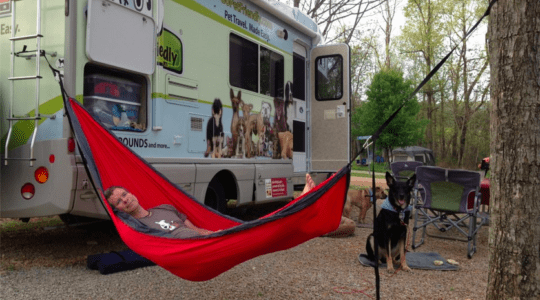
x=514 y=266
x=442 y=153
x=429 y=130
x=462 y=141
x=466 y=97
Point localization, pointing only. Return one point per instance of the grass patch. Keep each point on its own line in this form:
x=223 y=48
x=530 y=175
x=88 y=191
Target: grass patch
x=366 y=175
x=379 y=167
x=358 y=187
x=34 y=223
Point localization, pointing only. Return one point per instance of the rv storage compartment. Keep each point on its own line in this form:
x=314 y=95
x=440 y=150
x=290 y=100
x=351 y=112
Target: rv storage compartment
x=112 y=87
x=106 y=97
x=103 y=110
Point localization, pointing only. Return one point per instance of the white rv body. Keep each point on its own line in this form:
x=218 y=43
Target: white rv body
x=229 y=99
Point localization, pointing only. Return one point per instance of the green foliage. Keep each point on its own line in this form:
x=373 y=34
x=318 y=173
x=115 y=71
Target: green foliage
x=38 y=223
x=388 y=90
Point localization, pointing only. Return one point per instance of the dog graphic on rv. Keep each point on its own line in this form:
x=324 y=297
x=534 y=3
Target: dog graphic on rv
x=252 y=134
x=214 y=131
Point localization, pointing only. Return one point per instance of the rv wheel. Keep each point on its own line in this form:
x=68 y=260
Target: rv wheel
x=215 y=196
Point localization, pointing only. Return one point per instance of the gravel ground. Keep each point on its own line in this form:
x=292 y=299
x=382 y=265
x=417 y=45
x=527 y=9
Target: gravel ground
x=51 y=264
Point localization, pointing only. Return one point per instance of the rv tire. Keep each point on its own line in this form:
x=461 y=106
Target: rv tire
x=215 y=196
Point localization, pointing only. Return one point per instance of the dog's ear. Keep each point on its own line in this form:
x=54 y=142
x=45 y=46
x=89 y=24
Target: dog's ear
x=232 y=94
x=389 y=179
x=239 y=95
x=411 y=181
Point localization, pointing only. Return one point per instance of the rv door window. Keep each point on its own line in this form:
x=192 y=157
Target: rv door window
x=272 y=73
x=243 y=63
x=329 y=77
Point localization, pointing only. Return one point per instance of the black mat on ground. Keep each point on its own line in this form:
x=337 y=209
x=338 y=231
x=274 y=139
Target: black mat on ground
x=108 y=263
x=416 y=260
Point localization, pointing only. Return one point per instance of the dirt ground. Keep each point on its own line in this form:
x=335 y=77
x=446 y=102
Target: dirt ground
x=68 y=247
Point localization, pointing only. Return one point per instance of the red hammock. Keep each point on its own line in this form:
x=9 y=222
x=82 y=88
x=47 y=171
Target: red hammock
x=110 y=163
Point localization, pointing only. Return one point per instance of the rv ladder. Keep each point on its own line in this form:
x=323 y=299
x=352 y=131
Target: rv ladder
x=38 y=53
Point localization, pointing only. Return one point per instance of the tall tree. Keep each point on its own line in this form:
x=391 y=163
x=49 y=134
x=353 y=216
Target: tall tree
x=466 y=73
x=388 y=12
x=332 y=15
x=514 y=264
x=362 y=66
x=422 y=38
x=387 y=91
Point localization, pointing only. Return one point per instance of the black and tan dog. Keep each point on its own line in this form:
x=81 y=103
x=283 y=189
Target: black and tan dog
x=390 y=232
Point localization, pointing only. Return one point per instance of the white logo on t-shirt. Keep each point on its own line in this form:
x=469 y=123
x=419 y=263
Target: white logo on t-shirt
x=165 y=225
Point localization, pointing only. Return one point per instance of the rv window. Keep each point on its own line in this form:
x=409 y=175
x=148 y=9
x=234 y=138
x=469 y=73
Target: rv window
x=329 y=77
x=299 y=137
x=116 y=99
x=400 y=158
x=299 y=77
x=272 y=73
x=243 y=63
x=419 y=158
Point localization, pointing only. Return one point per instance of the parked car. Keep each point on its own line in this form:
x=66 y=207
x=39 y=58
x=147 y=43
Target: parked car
x=414 y=153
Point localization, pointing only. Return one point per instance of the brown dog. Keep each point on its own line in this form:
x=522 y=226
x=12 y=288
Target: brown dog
x=361 y=199
x=248 y=128
x=286 y=144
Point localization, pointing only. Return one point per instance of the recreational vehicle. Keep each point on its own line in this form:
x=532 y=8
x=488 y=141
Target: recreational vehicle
x=229 y=99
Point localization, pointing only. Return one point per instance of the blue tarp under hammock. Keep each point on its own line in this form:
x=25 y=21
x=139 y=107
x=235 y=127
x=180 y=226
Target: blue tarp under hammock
x=110 y=163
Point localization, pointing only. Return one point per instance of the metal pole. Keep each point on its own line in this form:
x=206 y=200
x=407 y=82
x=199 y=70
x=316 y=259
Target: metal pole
x=12 y=83
x=38 y=63
x=377 y=279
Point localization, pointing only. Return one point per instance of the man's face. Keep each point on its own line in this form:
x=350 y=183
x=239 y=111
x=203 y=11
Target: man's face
x=124 y=201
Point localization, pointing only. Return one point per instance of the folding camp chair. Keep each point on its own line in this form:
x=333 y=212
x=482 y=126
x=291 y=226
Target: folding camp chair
x=403 y=170
x=442 y=202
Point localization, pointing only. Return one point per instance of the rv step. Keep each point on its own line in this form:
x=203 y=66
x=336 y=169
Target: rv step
x=24 y=118
x=25 y=37
x=32 y=159
x=32 y=53
x=24 y=77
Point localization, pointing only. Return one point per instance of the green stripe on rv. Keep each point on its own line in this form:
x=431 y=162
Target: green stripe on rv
x=212 y=15
x=22 y=130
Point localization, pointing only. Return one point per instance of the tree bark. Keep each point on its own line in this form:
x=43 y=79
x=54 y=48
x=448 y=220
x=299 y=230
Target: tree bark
x=514 y=266
x=444 y=150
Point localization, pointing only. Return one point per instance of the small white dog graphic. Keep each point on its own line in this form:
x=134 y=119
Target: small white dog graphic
x=165 y=225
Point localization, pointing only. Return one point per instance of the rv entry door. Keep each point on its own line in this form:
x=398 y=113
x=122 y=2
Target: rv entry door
x=330 y=107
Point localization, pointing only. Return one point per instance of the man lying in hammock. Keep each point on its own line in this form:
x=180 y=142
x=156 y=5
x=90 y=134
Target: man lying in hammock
x=163 y=217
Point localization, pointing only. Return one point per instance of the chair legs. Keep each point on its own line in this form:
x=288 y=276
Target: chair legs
x=444 y=222
x=471 y=244
x=415 y=229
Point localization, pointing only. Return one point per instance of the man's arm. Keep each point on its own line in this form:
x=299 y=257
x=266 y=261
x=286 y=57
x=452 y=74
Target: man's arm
x=201 y=231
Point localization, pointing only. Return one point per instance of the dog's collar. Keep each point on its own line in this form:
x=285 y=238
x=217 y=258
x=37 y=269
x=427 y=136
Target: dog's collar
x=386 y=205
x=402 y=217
